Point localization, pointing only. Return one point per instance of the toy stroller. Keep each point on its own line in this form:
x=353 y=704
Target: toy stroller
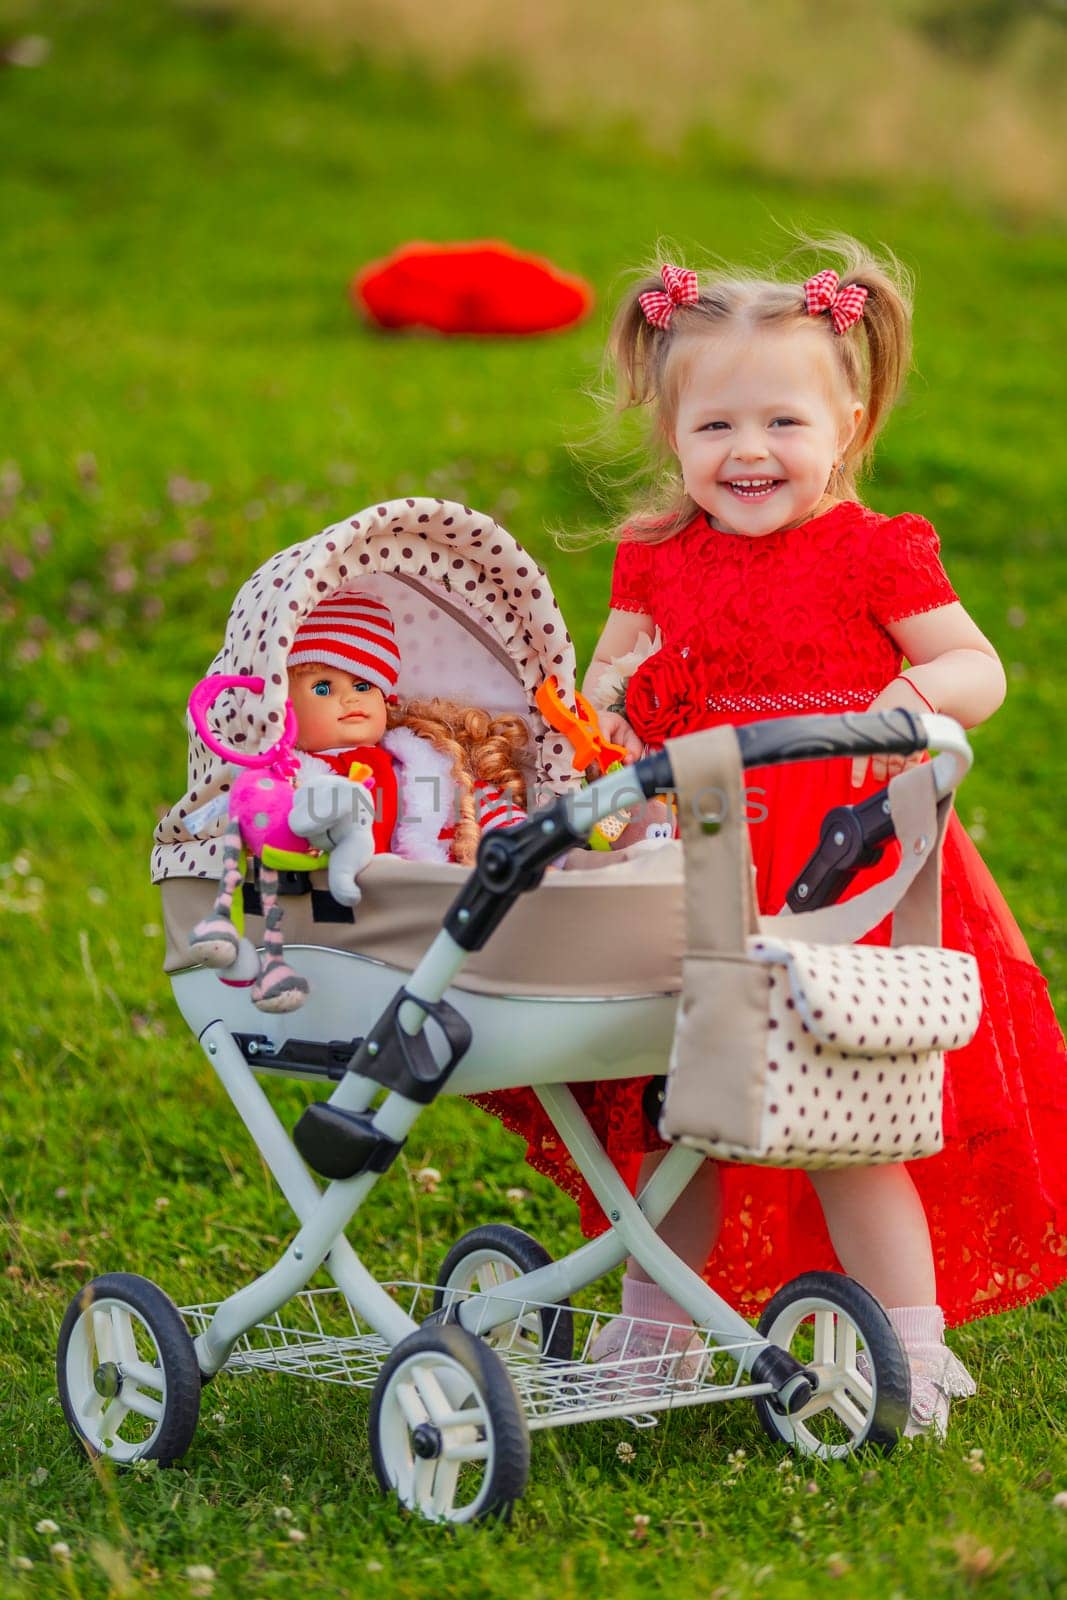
x=447 y=980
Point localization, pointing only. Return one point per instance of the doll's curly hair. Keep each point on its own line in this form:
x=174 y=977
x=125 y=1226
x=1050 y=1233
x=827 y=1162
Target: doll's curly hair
x=484 y=747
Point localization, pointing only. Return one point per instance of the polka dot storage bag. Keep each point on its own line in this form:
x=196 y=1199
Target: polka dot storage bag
x=793 y=1046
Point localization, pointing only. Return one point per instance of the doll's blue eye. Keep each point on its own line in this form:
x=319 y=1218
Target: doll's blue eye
x=321 y=688
x=362 y=686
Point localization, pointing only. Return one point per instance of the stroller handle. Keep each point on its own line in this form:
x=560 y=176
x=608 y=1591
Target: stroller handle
x=513 y=860
x=851 y=733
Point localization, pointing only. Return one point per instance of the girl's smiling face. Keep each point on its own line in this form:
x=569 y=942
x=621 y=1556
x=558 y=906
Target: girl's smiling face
x=335 y=710
x=763 y=415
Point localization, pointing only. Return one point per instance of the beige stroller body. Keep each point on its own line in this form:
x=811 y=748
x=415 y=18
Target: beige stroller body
x=429 y=987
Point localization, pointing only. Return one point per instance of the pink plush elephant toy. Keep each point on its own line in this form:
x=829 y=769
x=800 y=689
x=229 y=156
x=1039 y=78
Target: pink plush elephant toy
x=323 y=823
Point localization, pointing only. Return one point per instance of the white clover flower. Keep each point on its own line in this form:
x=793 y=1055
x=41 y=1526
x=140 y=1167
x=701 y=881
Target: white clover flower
x=375 y=1566
x=282 y=1514
x=200 y=1574
x=625 y=1450
x=1060 y=1500
x=60 y=1550
x=428 y=1179
x=185 y=491
x=46 y=1525
x=23 y=1564
x=296 y=1535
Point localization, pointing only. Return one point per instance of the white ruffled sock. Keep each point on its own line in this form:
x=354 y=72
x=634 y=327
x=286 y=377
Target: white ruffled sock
x=937 y=1375
x=644 y=1351
x=918 y=1324
x=647 y=1302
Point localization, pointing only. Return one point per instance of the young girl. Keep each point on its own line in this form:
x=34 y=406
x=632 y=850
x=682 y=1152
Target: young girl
x=777 y=592
x=442 y=772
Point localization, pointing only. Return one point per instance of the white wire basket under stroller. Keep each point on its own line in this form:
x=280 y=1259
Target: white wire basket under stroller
x=458 y=981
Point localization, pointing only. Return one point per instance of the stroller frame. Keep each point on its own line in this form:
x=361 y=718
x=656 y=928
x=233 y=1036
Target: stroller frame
x=442 y=1401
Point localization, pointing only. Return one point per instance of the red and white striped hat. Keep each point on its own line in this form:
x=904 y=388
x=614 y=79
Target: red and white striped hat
x=353 y=632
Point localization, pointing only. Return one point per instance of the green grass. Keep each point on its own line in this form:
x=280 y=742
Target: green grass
x=184 y=203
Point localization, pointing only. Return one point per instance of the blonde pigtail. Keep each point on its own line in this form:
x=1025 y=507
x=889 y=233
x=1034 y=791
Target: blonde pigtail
x=634 y=376
x=637 y=350
x=886 y=332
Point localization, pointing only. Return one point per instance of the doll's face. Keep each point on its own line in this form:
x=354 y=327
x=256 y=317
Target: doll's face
x=335 y=710
x=762 y=417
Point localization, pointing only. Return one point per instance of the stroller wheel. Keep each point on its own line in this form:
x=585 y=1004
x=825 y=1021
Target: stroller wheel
x=129 y=1382
x=485 y=1259
x=839 y=1331
x=447 y=1431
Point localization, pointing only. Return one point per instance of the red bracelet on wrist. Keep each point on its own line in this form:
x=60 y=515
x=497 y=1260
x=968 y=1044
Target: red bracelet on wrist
x=903 y=678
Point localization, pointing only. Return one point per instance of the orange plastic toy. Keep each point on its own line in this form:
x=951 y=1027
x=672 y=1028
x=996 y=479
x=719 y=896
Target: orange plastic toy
x=581 y=727
x=593 y=754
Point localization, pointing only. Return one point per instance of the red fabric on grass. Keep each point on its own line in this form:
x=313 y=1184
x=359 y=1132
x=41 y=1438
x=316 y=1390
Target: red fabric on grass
x=485 y=287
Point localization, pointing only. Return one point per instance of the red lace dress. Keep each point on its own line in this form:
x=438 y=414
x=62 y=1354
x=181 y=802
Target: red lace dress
x=797 y=622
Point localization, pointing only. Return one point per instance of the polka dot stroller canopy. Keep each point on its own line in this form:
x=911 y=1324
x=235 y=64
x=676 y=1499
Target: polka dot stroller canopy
x=476 y=622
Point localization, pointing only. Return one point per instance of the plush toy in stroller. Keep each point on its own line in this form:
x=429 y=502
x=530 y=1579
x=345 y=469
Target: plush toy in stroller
x=281 y=827
x=459 y=981
x=348 y=777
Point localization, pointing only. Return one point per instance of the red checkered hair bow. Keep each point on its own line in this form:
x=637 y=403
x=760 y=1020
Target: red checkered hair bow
x=845 y=306
x=682 y=290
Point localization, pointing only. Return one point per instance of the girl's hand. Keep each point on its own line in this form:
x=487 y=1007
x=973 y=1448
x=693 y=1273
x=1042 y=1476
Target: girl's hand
x=896 y=696
x=616 y=730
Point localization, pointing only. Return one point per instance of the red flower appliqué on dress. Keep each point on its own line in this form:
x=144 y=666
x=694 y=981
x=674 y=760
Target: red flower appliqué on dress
x=666 y=696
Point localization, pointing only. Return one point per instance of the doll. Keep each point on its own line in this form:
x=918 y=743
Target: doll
x=356 y=773
x=443 y=773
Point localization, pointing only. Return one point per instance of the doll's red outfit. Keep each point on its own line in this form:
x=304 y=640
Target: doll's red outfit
x=796 y=622
x=415 y=806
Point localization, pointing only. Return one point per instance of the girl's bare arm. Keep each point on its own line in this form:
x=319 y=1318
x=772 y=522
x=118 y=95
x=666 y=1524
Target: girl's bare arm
x=953 y=666
x=621 y=633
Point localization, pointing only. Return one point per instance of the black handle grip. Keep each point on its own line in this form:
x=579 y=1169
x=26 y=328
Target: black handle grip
x=782 y=739
x=512 y=860
x=851 y=838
